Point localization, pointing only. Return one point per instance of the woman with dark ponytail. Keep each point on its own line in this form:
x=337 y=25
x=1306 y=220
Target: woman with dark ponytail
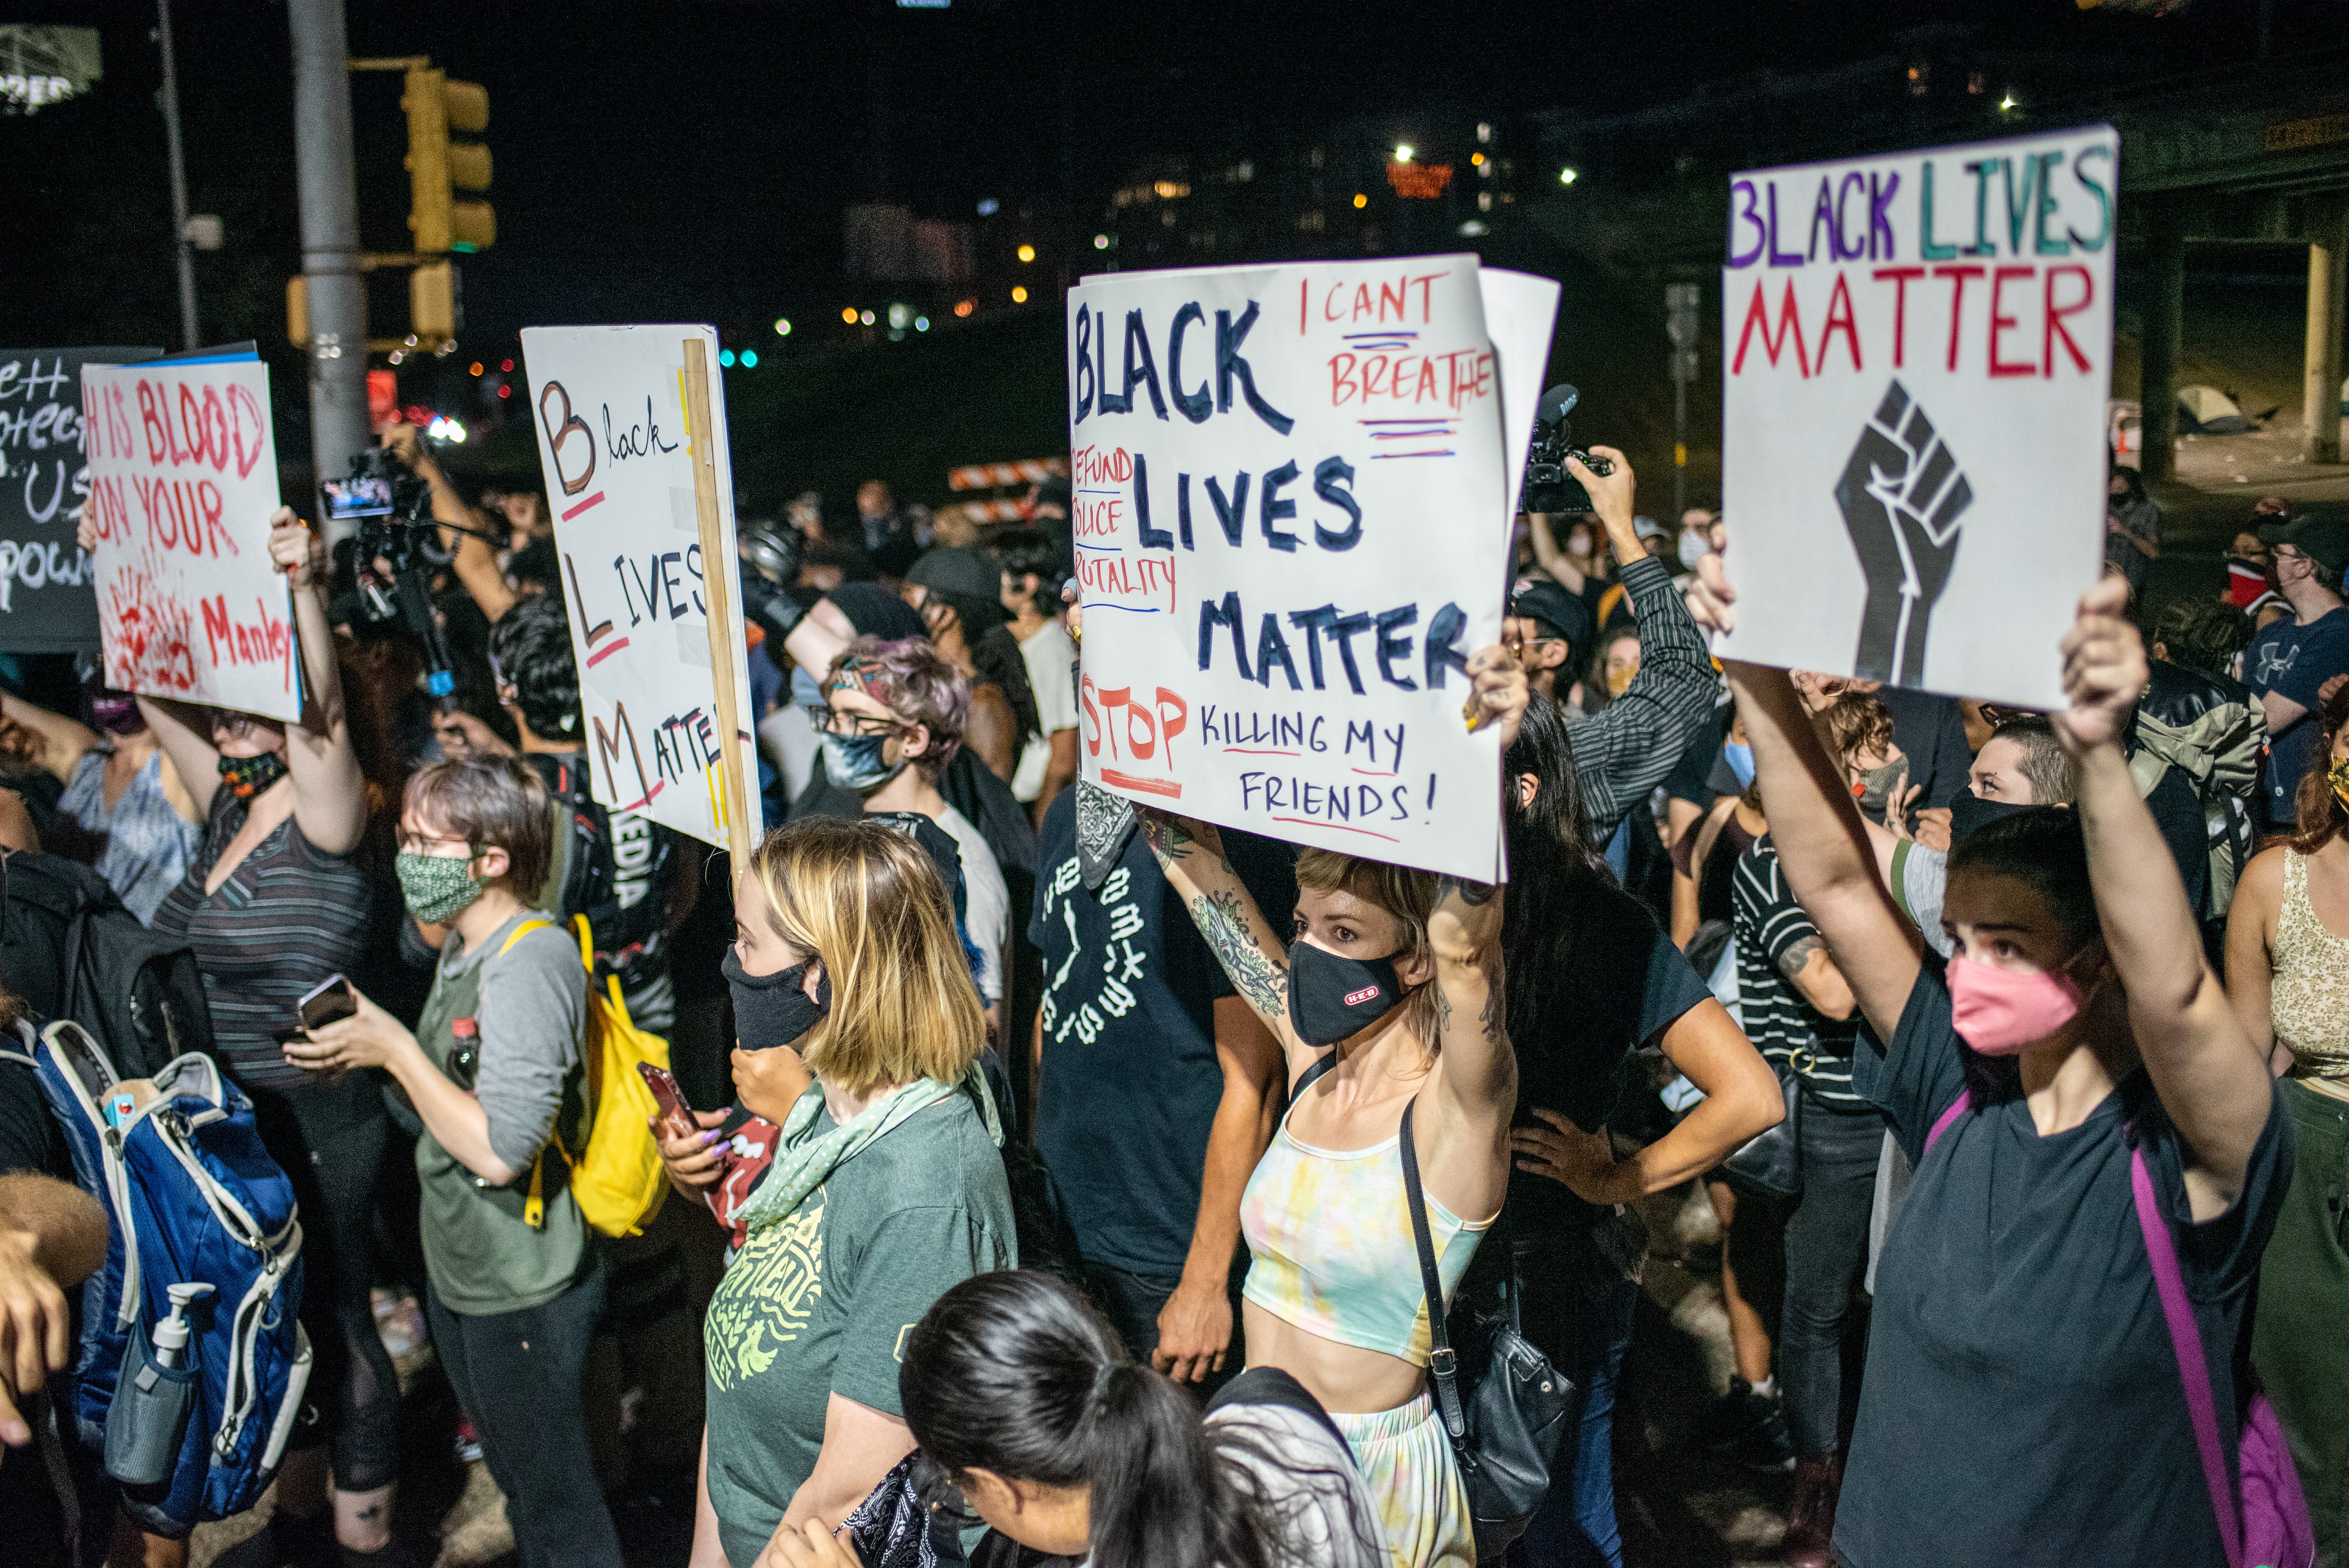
x=1024 y=1397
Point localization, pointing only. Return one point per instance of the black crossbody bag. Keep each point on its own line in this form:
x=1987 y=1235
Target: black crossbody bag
x=1505 y=1432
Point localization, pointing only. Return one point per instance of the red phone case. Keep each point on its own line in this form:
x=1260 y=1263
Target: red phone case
x=665 y=1094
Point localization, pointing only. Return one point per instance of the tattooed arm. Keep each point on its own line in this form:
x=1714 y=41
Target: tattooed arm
x=1811 y=970
x=1466 y=1142
x=1192 y=855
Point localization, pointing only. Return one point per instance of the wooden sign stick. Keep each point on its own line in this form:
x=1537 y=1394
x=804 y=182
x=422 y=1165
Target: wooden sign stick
x=717 y=592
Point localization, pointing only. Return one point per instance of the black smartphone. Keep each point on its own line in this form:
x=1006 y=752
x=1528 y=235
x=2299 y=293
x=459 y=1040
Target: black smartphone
x=329 y=1000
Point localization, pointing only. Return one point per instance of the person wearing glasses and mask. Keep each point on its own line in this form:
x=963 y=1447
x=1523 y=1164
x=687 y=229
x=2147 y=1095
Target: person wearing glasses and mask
x=892 y=718
x=496 y=1072
x=2288 y=662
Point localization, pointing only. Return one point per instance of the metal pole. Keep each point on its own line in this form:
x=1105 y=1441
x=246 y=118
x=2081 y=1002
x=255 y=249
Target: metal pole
x=1680 y=442
x=330 y=236
x=168 y=99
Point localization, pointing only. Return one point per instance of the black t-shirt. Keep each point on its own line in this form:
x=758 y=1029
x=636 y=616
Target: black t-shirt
x=1623 y=984
x=1692 y=777
x=2021 y=1403
x=1130 y=1081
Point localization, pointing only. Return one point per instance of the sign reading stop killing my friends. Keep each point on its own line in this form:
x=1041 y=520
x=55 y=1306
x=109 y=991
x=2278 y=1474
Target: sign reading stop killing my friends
x=183 y=477
x=1916 y=351
x=1290 y=494
x=618 y=447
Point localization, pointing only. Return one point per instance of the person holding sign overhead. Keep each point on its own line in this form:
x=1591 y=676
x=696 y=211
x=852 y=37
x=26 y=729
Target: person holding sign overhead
x=1389 y=1002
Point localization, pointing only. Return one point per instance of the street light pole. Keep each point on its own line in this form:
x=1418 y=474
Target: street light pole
x=1680 y=325
x=336 y=287
x=169 y=100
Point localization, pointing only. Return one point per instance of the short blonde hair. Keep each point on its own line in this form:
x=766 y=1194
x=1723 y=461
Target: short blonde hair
x=1409 y=895
x=867 y=900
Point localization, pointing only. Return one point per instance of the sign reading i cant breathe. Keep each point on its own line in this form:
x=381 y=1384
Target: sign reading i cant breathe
x=1292 y=490
x=1916 y=351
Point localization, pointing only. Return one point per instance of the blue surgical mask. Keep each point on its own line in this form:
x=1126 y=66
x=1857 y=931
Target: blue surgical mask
x=1694 y=547
x=856 y=762
x=1741 y=762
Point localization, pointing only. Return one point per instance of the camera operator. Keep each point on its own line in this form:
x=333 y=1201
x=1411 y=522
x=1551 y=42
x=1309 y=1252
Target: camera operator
x=475 y=562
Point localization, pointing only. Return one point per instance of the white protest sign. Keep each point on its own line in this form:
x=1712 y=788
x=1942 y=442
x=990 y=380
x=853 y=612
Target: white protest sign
x=1917 y=350
x=646 y=561
x=1291 y=514
x=183 y=479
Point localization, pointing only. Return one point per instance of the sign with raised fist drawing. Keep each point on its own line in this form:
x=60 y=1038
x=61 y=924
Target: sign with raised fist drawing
x=1917 y=349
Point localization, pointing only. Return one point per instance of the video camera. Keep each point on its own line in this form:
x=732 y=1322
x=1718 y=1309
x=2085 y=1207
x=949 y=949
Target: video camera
x=1550 y=487
x=398 y=550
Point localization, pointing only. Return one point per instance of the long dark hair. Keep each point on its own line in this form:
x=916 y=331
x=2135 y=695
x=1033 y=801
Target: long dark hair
x=2318 y=811
x=1014 y=1373
x=1552 y=866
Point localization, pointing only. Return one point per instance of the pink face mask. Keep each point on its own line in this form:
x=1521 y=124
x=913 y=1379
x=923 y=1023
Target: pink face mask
x=2000 y=1011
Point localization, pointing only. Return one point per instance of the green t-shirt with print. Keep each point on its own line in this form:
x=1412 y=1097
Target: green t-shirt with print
x=819 y=1303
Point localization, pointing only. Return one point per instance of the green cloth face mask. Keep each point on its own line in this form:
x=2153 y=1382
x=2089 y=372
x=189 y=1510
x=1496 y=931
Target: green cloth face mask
x=438 y=888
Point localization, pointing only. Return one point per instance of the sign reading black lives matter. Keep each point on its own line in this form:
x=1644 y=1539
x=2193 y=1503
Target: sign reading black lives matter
x=48 y=598
x=1916 y=351
x=1291 y=509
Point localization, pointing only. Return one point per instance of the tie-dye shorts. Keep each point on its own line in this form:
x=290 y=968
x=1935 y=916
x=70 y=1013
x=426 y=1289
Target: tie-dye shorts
x=1406 y=1461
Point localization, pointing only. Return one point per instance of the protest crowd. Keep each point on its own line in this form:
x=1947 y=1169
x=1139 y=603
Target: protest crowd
x=1052 y=1176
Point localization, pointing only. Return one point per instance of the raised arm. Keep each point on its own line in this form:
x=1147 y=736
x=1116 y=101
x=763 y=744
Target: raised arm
x=1560 y=566
x=62 y=741
x=1477 y=1081
x=1190 y=853
x=1821 y=838
x=329 y=791
x=474 y=562
x=2211 y=1081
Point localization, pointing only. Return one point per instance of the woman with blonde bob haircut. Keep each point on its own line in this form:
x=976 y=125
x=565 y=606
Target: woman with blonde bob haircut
x=864 y=1154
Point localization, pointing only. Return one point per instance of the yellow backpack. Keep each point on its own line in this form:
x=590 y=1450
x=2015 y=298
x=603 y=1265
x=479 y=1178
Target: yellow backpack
x=618 y=1180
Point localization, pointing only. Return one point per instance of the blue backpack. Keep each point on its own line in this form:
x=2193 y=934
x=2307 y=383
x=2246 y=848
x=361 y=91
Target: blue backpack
x=192 y=1199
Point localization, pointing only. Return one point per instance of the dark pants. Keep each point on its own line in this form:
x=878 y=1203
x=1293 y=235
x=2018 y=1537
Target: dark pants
x=1827 y=1252
x=516 y=1375
x=1585 y=1339
x=1131 y=1301
x=2297 y=1346
x=331 y=1140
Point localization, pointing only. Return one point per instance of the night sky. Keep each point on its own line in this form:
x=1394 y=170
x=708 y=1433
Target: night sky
x=658 y=159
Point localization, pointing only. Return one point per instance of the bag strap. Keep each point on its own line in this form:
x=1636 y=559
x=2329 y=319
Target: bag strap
x=1441 y=1364
x=1949 y=1118
x=534 y=1208
x=519 y=931
x=1322 y=1066
x=2186 y=1342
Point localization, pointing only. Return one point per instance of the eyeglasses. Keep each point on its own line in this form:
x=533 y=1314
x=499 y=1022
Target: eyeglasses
x=828 y=720
x=421 y=844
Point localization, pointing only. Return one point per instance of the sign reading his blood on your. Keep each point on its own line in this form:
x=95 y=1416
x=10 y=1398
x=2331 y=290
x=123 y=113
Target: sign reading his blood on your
x=1918 y=348
x=616 y=445
x=183 y=479
x=1290 y=497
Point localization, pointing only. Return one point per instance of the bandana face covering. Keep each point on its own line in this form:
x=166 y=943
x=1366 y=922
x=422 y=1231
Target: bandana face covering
x=249 y=775
x=1330 y=997
x=438 y=888
x=773 y=1010
x=2338 y=776
x=856 y=763
x=1969 y=812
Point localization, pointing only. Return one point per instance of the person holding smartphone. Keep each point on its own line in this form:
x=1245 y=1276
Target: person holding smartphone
x=496 y=1070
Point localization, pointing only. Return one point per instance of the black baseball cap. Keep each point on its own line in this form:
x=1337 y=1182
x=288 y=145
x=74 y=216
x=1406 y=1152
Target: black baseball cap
x=2322 y=535
x=1558 y=612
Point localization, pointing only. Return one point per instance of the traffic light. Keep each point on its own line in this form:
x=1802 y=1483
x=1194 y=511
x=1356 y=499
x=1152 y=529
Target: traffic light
x=439 y=167
x=435 y=303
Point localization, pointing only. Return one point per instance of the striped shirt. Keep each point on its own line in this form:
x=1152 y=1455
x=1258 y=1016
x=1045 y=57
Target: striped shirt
x=289 y=917
x=1770 y=926
x=1623 y=751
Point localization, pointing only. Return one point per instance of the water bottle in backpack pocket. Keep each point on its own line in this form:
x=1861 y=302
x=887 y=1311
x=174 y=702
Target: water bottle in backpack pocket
x=193 y=1199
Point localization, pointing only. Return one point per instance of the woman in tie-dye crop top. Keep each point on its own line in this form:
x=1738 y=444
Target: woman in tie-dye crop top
x=1389 y=1001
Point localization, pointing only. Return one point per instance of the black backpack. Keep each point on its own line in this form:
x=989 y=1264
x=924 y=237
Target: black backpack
x=71 y=950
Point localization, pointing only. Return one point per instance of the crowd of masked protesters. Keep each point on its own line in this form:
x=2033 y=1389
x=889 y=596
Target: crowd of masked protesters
x=1059 y=1181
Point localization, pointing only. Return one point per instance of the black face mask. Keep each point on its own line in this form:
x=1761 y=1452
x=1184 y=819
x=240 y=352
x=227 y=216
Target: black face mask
x=773 y=1010
x=1969 y=812
x=1331 y=998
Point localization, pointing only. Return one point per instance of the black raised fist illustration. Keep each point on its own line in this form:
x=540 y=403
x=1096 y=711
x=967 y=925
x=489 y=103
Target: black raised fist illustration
x=1902 y=496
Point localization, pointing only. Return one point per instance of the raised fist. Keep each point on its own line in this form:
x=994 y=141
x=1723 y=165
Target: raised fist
x=1902 y=496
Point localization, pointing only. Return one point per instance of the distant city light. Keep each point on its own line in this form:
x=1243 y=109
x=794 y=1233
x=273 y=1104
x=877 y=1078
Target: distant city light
x=866 y=316
x=1402 y=151
x=901 y=315
x=1027 y=253
x=506 y=365
x=1361 y=200
x=750 y=359
x=848 y=314
x=2007 y=102
x=475 y=367
x=921 y=323
x=988 y=206
x=506 y=391
x=783 y=326
x=445 y=430
x=965 y=306
x=1474 y=228
x=1019 y=293
x=1566 y=177
x=1484 y=130
x=725 y=356
x=1476 y=161
x=1100 y=241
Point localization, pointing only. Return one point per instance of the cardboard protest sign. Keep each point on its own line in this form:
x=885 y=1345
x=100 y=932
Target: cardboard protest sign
x=1917 y=349
x=1291 y=520
x=183 y=477
x=643 y=494
x=47 y=601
